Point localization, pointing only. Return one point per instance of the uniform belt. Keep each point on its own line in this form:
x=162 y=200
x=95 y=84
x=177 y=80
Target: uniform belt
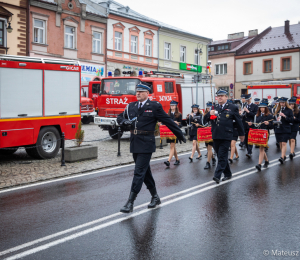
x=140 y=132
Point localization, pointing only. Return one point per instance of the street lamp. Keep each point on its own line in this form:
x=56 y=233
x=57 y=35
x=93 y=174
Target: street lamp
x=199 y=51
x=9 y=30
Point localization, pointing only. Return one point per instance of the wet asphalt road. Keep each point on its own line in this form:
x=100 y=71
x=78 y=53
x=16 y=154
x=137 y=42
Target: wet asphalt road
x=251 y=215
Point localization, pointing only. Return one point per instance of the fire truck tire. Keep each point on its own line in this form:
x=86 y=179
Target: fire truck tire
x=113 y=132
x=85 y=120
x=47 y=145
x=9 y=151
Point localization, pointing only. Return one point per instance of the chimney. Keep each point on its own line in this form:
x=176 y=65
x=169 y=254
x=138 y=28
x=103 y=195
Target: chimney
x=252 y=33
x=234 y=36
x=287 y=27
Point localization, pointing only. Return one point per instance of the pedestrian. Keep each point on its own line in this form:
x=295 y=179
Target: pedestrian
x=294 y=127
x=222 y=133
x=196 y=120
x=284 y=116
x=235 y=136
x=142 y=117
x=176 y=116
x=263 y=120
x=209 y=146
x=250 y=110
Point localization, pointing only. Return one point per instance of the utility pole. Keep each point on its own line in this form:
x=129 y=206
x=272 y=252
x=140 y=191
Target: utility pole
x=198 y=52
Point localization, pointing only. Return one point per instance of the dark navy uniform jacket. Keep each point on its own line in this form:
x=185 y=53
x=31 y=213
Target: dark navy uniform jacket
x=147 y=118
x=296 y=121
x=197 y=119
x=222 y=127
x=249 y=117
x=263 y=118
x=285 y=127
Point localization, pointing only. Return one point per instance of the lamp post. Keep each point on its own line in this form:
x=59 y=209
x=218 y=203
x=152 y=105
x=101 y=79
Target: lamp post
x=199 y=50
x=9 y=30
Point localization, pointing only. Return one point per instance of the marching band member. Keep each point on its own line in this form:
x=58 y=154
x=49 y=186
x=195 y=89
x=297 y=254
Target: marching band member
x=209 y=145
x=242 y=113
x=196 y=120
x=177 y=118
x=222 y=132
x=263 y=120
x=233 y=149
x=284 y=114
x=250 y=111
x=294 y=127
x=257 y=101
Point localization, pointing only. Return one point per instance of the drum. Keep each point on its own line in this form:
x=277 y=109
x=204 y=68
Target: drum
x=165 y=132
x=204 y=135
x=258 y=137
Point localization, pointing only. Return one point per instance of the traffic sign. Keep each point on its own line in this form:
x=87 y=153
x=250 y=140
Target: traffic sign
x=231 y=86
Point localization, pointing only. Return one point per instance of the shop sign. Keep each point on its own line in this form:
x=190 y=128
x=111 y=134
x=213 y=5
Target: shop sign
x=190 y=67
x=89 y=71
x=132 y=68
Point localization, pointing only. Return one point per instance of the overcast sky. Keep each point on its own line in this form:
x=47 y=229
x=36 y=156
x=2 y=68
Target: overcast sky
x=217 y=18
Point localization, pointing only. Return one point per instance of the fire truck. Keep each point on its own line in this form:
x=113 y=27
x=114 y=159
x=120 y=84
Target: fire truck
x=271 y=89
x=39 y=100
x=86 y=108
x=115 y=93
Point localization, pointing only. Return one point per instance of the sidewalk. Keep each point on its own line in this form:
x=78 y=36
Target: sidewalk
x=20 y=169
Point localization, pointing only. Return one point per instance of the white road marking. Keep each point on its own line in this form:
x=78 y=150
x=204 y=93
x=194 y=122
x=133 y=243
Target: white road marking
x=87 y=231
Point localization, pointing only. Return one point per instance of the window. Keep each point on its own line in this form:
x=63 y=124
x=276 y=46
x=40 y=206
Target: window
x=1 y=33
x=169 y=87
x=182 y=53
x=69 y=37
x=39 y=31
x=119 y=86
x=167 y=51
x=134 y=40
x=148 y=47
x=95 y=88
x=286 y=63
x=223 y=47
x=221 y=69
x=248 y=67
x=118 y=41
x=197 y=57
x=267 y=66
x=97 y=42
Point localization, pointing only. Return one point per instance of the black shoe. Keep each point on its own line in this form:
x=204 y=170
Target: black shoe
x=236 y=158
x=266 y=149
x=258 y=167
x=191 y=159
x=284 y=158
x=249 y=155
x=216 y=180
x=278 y=145
x=177 y=162
x=294 y=154
x=266 y=164
x=240 y=144
x=155 y=200
x=207 y=166
x=226 y=178
x=167 y=163
x=205 y=155
x=281 y=160
x=291 y=156
x=213 y=161
x=128 y=207
x=199 y=157
x=256 y=146
x=230 y=160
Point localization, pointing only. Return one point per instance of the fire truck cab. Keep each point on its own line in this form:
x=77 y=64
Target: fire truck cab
x=115 y=93
x=39 y=100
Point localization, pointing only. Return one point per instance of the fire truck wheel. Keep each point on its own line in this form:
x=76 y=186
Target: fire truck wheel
x=113 y=132
x=85 y=120
x=47 y=145
x=9 y=151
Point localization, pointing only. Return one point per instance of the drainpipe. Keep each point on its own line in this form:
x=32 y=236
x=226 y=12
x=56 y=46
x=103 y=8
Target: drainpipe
x=158 y=48
x=27 y=29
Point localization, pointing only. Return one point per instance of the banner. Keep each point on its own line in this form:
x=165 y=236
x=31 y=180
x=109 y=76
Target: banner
x=165 y=132
x=204 y=135
x=258 y=137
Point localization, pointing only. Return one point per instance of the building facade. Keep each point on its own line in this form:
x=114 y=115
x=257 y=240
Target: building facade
x=14 y=29
x=70 y=29
x=274 y=56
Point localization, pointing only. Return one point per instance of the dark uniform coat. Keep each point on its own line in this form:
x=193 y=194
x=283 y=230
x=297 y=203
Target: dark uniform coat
x=285 y=127
x=197 y=119
x=147 y=118
x=296 y=121
x=263 y=118
x=249 y=117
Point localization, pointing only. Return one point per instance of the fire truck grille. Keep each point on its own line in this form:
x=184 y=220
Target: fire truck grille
x=86 y=107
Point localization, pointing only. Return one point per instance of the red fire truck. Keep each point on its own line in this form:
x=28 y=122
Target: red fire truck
x=86 y=108
x=115 y=93
x=39 y=100
x=271 y=89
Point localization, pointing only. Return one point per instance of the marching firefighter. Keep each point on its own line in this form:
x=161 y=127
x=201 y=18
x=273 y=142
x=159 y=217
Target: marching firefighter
x=222 y=133
x=294 y=127
x=142 y=116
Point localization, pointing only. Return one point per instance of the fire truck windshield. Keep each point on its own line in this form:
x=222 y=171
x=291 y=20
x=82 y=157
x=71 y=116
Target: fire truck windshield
x=119 y=86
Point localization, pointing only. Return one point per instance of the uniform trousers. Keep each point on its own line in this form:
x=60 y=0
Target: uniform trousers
x=222 y=147
x=142 y=172
x=248 y=146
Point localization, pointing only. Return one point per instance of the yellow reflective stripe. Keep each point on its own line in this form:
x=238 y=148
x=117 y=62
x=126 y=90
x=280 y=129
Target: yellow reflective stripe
x=38 y=118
